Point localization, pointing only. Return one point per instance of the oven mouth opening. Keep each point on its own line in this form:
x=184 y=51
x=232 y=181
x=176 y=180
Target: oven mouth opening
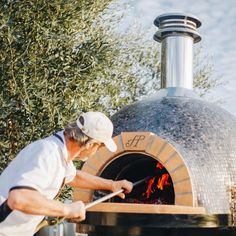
x=158 y=189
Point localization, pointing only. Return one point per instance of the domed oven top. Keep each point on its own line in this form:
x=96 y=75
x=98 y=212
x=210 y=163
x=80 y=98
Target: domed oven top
x=204 y=135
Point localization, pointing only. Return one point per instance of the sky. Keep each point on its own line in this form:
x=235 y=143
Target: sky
x=218 y=33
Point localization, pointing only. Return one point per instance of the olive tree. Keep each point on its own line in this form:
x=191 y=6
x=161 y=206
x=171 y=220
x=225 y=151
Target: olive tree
x=59 y=58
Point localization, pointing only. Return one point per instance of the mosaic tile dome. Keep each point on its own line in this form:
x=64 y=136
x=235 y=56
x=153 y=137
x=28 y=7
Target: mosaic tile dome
x=203 y=133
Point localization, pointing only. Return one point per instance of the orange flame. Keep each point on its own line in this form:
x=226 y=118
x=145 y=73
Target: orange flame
x=163 y=181
x=149 y=188
x=159 y=166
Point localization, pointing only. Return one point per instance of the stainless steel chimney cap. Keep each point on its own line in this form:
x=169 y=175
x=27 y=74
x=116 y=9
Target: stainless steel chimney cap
x=174 y=24
x=169 y=16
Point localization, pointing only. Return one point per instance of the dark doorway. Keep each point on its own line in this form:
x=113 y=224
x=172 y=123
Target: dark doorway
x=157 y=189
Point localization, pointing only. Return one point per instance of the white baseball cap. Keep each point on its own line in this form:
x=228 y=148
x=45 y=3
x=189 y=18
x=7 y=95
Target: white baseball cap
x=99 y=127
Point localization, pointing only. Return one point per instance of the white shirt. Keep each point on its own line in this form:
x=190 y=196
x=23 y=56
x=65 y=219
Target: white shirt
x=42 y=165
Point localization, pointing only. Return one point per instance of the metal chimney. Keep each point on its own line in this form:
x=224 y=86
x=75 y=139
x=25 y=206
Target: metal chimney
x=177 y=33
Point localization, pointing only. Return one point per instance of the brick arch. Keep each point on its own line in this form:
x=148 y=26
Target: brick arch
x=150 y=145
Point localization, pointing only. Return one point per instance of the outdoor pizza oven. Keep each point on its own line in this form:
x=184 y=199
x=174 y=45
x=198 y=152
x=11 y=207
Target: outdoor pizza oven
x=185 y=145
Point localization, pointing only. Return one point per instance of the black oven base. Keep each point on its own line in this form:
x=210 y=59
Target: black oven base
x=126 y=224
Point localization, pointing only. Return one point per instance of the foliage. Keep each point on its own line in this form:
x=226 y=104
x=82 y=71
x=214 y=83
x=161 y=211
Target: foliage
x=59 y=58
x=204 y=81
x=56 y=61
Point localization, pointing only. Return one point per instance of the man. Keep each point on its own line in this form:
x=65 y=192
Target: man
x=32 y=180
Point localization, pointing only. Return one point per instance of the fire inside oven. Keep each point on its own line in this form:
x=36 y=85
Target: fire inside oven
x=157 y=189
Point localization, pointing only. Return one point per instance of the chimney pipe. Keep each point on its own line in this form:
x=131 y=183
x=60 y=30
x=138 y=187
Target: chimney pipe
x=177 y=33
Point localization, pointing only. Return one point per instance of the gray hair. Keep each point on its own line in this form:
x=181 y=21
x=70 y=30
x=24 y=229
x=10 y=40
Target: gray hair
x=75 y=133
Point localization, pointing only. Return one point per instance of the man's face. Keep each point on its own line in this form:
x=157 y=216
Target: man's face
x=91 y=150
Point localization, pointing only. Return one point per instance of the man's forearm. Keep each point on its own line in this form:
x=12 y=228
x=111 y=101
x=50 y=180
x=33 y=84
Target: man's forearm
x=88 y=181
x=32 y=202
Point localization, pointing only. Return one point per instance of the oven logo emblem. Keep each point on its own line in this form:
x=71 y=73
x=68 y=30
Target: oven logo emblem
x=135 y=141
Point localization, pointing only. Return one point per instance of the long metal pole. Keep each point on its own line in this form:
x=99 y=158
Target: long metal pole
x=103 y=199
x=58 y=220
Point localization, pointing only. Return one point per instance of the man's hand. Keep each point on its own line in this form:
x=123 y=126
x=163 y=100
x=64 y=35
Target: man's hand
x=85 y=180
x=122 y=184
x=75 y=210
